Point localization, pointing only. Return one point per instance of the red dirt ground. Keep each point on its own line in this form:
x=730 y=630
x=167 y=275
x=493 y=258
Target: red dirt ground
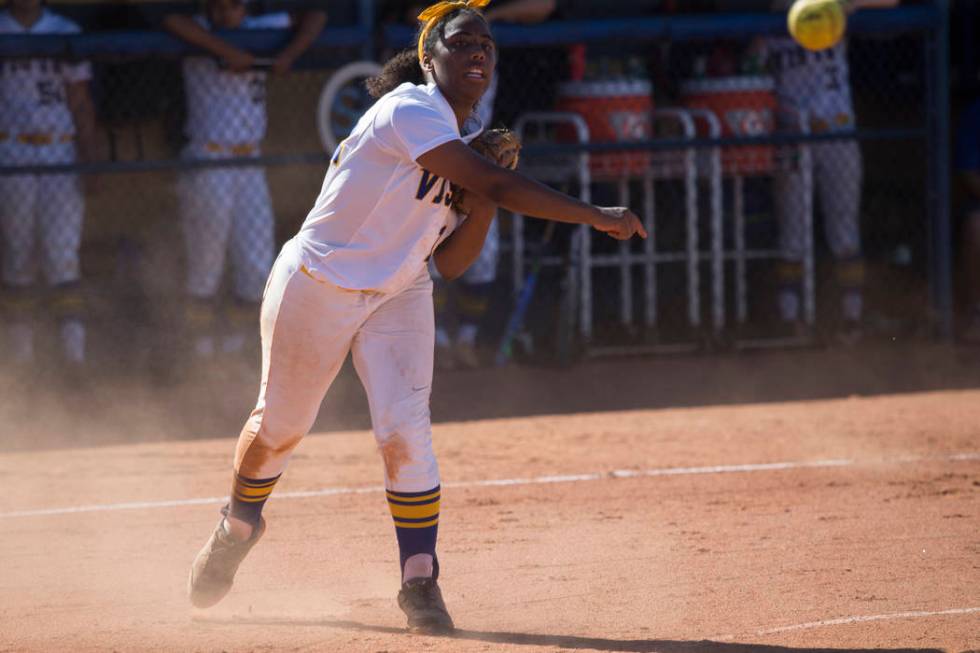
x=826 y=557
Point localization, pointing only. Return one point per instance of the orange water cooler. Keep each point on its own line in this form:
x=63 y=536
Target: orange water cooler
x=745 y=106
x=614 y=110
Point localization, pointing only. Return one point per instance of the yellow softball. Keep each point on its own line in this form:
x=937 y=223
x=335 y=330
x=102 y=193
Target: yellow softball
x=817 y=24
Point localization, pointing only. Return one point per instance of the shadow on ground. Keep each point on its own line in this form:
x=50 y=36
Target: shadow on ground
x=215 y=402
x=567 y=641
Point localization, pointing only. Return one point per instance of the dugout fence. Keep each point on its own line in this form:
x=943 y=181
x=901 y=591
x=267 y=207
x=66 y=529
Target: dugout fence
x=711 y=276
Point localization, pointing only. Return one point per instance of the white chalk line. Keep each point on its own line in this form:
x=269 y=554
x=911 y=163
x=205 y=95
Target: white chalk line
x=536 y=480
x=842 y=621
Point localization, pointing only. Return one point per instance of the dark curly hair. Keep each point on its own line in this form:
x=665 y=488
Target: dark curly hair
x=405 y=66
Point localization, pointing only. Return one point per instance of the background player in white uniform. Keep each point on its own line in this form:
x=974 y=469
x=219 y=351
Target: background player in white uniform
x=46 y=117
x=228 y=211
x=818 y=83
x=355 y=280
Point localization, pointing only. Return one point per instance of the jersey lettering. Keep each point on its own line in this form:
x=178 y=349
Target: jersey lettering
x=832 y=72
x=256 y=87
x=427 y=183
x=441 y=193
x=49 y=92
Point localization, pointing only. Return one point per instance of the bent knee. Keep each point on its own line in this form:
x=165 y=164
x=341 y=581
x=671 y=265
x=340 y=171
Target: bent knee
x=265 y=440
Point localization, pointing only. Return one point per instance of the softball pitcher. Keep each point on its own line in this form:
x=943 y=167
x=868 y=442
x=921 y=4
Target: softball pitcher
x=354 y=279
x=227 y=211
x=46 y=117
x=817 y=85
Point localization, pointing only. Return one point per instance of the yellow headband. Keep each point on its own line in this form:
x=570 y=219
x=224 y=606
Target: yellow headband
x=433 y=14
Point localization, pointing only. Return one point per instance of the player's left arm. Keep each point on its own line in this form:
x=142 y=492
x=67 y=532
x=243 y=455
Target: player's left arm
x=83 y=114
x=309 y=25
x=457 y=253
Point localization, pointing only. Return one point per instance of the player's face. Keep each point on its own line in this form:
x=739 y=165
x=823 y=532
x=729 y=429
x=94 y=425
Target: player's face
x=226 y=14
x=463 y=60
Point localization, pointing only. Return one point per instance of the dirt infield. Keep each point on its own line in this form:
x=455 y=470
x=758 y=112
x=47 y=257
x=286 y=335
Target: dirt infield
x=613 y=523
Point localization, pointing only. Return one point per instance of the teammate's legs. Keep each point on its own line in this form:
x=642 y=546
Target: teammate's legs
x=252 y=250
x=970 y=270
x=838 y=170
x=205 y=202
x=60 y=218
x=473 y=297
x=444 y=305
x=18 y=200
x=788 y=203
x=392 y=354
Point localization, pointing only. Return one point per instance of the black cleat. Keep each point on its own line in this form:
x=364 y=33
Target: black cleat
x=421 y=601
x=213 y=571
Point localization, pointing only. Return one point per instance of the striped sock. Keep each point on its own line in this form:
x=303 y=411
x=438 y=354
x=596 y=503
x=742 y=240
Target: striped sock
x=248 y=497
x=416 y=517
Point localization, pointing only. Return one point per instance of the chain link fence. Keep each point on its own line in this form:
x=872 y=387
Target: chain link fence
x=788 y=192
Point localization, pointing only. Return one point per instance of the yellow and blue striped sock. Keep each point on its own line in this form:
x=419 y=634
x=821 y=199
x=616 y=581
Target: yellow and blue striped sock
x=248 y=496
x=416 y=517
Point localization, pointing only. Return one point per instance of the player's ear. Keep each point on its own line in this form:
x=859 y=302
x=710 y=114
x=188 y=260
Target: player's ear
x=427 y=62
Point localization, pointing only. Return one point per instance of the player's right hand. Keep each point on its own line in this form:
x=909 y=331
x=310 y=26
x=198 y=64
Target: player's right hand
x=619 y=222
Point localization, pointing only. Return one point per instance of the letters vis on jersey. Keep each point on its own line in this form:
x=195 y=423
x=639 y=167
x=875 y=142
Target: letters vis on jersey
x=428 y=182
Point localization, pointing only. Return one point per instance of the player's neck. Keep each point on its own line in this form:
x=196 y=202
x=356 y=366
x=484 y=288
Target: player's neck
x=27 y=17
x=461 y=109
x=461 y=115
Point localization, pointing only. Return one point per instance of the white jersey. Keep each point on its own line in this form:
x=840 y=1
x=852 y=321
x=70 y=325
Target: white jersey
x=33 y=95
x=380 y=214
x=815 y=82
x=222 y=106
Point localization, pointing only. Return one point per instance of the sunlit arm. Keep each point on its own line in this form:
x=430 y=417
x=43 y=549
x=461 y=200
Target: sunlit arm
x=458 y=163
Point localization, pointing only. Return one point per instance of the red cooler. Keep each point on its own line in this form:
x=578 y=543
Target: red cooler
x=614 y=111
x=745 y=106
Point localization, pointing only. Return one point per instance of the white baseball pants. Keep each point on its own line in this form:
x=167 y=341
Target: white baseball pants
x=308 y=326
x=226 y=211
x=40 y=217
x=837 y=173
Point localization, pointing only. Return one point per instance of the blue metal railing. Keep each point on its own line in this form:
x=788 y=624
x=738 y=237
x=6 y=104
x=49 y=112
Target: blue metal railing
x=647 y=28
x=149 y=42
x=927 y=17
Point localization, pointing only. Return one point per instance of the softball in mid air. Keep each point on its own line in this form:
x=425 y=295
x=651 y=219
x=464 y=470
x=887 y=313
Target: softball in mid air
x=817 y=24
